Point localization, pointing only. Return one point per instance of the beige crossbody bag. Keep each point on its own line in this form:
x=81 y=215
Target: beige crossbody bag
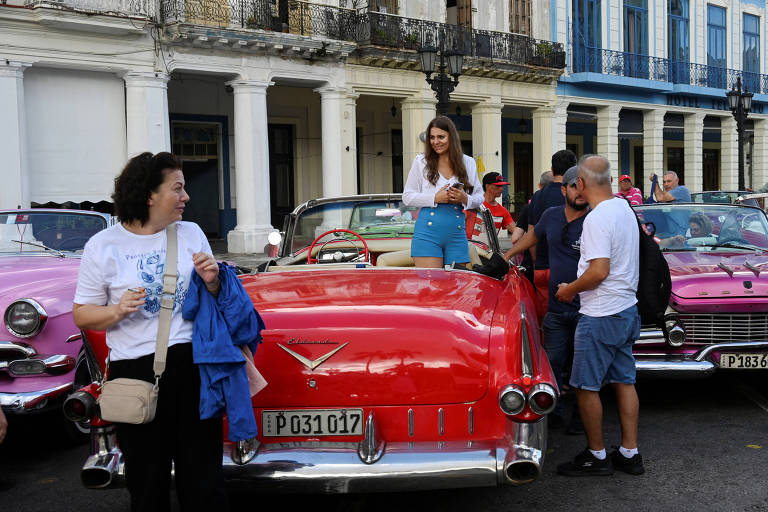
x=133 y=400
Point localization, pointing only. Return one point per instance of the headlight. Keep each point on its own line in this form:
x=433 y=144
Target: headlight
x=512 y=400
x=24 y=318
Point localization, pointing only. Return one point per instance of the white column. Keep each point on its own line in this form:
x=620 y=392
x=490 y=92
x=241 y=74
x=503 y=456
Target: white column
x=349 y=183
x=146 y=113
x=653 y=148
x=417 y=111
x=251 y=168
x=557 y=130
x=608 y=139
x=729 y=154
x=13 y=146
x=760 y=154
x=542 y=143
x=693 y=128
x=486 y=134
x=332 y=100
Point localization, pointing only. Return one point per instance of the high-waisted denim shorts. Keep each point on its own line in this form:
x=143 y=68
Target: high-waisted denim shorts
x=440 y=232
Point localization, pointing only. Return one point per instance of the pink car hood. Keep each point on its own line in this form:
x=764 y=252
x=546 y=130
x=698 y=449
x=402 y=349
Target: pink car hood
x=700 y=275
x=49 y=280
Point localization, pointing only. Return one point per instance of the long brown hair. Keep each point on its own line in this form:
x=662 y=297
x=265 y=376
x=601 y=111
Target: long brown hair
x=455 y=156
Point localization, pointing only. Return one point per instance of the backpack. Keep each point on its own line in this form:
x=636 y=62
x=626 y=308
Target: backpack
x=654 y=285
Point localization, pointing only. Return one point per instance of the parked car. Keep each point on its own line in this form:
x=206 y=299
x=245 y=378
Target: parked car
x=381 y=376
x=724 y=197
x=718 y=312
x=41 y=355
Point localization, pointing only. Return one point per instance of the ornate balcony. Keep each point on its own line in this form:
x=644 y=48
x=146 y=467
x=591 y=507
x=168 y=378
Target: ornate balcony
x=131 y=8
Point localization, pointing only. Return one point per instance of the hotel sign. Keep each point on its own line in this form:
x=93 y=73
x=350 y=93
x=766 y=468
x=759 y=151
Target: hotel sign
x=679 y=100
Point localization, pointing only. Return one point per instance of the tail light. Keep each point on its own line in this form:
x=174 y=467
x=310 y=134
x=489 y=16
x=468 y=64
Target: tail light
x=542 y=399
x=512 y=400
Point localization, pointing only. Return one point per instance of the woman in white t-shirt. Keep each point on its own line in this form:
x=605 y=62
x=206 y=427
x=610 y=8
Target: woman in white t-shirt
x=118 y=290
x=443 y=182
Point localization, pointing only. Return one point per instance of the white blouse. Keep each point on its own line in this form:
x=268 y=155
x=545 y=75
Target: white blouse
x=419 y=191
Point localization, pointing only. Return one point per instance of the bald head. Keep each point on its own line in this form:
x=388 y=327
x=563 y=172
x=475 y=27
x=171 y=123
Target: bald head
x=595 y=170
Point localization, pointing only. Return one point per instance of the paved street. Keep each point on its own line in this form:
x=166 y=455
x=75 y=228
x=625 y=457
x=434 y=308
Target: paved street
x=704 y=444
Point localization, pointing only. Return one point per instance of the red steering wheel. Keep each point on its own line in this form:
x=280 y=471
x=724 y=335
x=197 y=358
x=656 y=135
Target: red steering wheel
x=366 y=253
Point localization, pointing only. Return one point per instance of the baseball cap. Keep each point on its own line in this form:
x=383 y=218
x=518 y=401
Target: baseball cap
x=570 y=176
x=494 y=178
x=625 y=177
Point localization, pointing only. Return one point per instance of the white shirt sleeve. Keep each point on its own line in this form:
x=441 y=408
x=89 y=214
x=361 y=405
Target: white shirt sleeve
x=478 y=196
x=91 y=286
x=414 y=193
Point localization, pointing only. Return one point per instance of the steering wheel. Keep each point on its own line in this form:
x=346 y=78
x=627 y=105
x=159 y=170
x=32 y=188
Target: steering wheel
x=366 y=253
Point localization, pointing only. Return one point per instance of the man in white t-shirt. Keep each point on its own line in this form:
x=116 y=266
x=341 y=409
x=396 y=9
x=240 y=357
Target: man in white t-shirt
x=607 y=285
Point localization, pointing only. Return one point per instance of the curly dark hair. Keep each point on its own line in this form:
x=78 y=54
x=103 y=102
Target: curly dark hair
x=141 y=176
x=454 y=153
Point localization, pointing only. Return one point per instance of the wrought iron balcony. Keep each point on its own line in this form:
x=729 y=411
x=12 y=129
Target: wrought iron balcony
x=132 y=8
x=293 y=16
x=399 y=33
x=630 y=65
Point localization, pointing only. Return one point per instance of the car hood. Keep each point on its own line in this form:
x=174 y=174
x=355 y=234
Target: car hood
x=50 y=280
x=390 y=337
x=707 y=275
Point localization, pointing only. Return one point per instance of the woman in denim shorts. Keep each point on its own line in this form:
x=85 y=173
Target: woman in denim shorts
x=443 y=182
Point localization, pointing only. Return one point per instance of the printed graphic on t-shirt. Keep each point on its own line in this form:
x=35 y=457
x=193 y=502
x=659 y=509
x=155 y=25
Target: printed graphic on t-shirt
x=149 y=270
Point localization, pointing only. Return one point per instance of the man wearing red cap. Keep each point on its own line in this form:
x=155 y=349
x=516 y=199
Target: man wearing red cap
x=493 y=185
x=628 y=192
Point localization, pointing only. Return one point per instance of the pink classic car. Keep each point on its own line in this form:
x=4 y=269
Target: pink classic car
x=41 y=355
x=718 y=312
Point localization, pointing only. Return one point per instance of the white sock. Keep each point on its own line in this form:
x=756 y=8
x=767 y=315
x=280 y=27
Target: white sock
x=627 y=452
x=599 y=454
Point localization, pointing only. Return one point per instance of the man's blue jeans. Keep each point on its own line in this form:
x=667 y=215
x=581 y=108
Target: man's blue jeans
x=558 y=332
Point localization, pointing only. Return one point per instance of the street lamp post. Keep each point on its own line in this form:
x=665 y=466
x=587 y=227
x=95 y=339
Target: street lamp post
x=740 y=103
x=441 y=83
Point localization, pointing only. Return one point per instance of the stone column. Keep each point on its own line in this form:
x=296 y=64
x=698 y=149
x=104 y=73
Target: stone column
x=542 y=143
x=486 y=134
x=608 y=139
x=653 y=149
x=417 y=112
x=146 y=113
x=760 y=154
x=349 y=144
x=251 y=168
x=729 y=154
x=15 y=189
x=332 y=100
x=557 y=130
x=693 y=128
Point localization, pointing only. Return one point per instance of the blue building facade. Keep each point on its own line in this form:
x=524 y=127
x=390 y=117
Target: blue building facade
x=646 y=84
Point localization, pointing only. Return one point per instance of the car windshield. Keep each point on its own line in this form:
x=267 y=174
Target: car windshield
x=720 y=197
x=706 y=227
x=31 y=231
x=370 y=218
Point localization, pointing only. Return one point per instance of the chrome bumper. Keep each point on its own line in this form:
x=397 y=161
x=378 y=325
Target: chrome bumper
x=698 y=364
x=339 y=468
x=33 y=401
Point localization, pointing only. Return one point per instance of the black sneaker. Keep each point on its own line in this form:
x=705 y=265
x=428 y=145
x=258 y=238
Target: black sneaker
x=632 y=465
x=586 y=464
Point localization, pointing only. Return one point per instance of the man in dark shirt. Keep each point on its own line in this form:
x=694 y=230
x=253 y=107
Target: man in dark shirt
x=551 y=195
x=560 y=229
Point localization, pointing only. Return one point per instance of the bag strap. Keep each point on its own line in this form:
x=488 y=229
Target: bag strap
x=167 y=301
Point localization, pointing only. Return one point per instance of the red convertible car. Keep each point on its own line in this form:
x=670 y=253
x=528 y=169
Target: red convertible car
x=381 y=376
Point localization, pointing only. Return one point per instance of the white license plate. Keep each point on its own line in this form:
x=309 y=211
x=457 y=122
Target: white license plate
x=312 y=422
x=745 y=361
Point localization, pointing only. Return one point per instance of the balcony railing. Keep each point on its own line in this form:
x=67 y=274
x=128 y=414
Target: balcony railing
x=137 y=8
x=611 y=62
x=396 y=32
x=292 y=16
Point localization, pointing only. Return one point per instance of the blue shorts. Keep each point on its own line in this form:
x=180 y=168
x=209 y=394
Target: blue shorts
x=440 y=232
x=602 y=350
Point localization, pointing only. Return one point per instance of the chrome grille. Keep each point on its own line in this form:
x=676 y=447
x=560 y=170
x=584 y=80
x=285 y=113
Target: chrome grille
x=724 y=327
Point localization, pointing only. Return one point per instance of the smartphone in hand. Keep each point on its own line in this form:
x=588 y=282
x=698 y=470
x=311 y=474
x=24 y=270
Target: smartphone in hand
x=458 y=185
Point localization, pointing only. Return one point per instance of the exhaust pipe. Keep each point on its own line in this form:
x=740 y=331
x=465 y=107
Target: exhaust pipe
x=520 y=462
x=105 y=467
x=522 y=471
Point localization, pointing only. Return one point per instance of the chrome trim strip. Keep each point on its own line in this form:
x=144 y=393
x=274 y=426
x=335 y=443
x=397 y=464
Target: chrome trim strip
x=471 y=421
x=744 y=345
x=650 y=336
x=371 y=448
x=526 y=346
x=74 y=337
x=20 y=403
x=17 y=346
x=674 y=369
x=441 y=421
x=411 y=423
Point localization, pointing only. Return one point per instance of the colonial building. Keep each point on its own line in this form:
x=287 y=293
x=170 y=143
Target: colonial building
x=646 y=83
x=269 y=102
